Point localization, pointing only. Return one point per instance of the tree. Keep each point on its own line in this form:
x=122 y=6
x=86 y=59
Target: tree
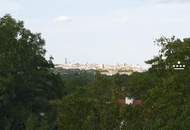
x=27 y=81
x=170 y=98
x=164 y=90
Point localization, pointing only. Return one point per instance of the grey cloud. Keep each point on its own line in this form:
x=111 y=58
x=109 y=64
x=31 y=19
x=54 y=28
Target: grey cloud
x=62 y=19
x=173 y=1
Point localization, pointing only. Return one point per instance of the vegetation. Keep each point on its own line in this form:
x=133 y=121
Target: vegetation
x=36 y=96
x=27 y=82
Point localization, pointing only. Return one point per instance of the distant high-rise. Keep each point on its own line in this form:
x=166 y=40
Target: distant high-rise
x=103 y=66
x=66 y=61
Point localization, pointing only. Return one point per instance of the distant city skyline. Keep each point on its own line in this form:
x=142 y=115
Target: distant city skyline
x=102 y=31
x=123 y=69
x=68 y=61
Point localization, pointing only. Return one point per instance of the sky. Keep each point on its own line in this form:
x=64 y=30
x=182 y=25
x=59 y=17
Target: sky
x=102 y=31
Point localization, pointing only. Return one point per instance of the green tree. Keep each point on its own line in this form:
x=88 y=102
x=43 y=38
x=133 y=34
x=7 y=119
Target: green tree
x=169 y=98
x=164 y=90
x=27 y=81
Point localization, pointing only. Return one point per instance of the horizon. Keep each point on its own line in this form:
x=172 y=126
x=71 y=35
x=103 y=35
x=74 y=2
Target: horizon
x=114 y=64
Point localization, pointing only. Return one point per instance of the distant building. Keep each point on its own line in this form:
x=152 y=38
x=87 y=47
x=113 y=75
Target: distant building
x=66 y=61
x=129 y=101
x=104 y=69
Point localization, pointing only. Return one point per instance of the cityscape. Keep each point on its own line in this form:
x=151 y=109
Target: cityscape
x=106 y=69
x=94 y=65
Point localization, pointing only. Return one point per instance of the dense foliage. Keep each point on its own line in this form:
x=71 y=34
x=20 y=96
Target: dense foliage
x=27 y=82
x=36 y=96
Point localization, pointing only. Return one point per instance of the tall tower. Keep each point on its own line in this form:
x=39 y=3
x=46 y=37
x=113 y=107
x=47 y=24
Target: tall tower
x=66 y=61
x=103 y=66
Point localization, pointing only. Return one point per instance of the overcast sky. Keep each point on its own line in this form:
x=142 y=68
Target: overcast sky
x=102 y=31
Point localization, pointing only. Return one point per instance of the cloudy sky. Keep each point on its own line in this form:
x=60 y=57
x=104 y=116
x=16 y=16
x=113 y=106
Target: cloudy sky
x=102 y=31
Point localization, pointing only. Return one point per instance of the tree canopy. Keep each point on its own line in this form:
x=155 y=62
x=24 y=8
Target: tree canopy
x=27 y=82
